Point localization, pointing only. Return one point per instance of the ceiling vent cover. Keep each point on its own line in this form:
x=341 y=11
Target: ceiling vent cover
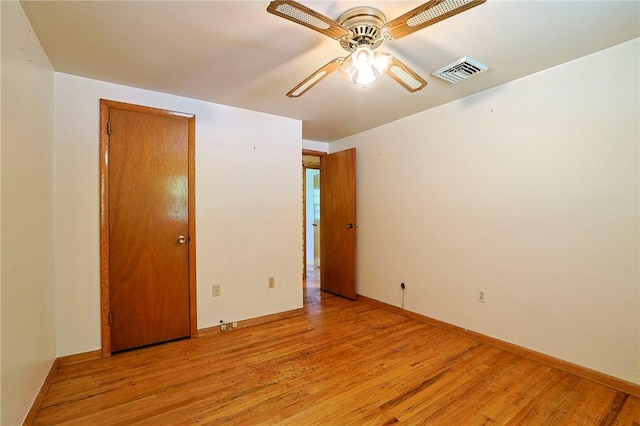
x=460 y=70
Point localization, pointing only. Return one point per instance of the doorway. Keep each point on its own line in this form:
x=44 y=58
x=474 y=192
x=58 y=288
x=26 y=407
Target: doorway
x=336 y=227
x=147 y=226
x=311 y=213
x=338 y=223
x=313 y=207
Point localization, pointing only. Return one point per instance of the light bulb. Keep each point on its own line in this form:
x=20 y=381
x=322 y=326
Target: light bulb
x=363 y=56
x=381 y=62
x=363 y=61
x=365 y=65
x=349 y=71
x=365 y=75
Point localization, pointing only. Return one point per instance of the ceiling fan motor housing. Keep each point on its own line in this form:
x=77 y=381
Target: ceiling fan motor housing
x=365 y=27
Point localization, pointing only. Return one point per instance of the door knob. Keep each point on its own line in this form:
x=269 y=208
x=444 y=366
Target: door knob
x=182 y=239
x=351 y=225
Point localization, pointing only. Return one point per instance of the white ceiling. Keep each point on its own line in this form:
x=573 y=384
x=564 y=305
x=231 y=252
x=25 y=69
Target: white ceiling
x=235 y=53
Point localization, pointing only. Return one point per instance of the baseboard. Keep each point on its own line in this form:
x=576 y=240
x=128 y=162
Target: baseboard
x=209 y=331
x=78 y=358
x=33 y=412
x=57 y=363
x=559 y=364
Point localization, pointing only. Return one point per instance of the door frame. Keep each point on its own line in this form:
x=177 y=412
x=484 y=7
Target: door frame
x=105 y=297
x=304 y=205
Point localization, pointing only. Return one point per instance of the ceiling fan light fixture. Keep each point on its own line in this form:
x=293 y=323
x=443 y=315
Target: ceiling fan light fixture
x=363 y=56
x=363 y=63
x=360 y=31
x=381 y=62
x=366 y=65
x=364 y=76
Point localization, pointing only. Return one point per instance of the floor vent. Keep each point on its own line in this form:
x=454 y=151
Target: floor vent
x=460 y=70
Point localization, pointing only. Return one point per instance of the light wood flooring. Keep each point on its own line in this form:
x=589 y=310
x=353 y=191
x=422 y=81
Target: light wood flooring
x=339 y=363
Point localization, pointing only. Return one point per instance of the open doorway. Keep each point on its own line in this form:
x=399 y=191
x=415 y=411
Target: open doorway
x=312 y=207
x=312 y=225
x=311 y=260
x=335 y=190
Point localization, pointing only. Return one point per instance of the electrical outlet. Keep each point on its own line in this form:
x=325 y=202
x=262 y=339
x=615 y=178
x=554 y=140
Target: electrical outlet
x=482 y=295
x=272 y=282
x=215 y=290
x=223 y=327
x=234 y=325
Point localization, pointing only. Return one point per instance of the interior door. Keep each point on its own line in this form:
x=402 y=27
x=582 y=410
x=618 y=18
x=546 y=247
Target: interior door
x=338 y=223
x=149 y=291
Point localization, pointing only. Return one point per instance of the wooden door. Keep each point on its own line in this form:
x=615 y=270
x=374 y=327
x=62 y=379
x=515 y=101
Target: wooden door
x=338 y=223
x=149 y=284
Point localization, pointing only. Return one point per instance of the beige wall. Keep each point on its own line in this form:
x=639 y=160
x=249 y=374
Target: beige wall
x=247 y=198
x=315 y=146
x=27 y=221
x=248 y=189
x=529 y=190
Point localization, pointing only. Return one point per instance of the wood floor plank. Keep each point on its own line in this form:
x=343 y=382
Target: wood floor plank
x=629 y=414
x=338 y=363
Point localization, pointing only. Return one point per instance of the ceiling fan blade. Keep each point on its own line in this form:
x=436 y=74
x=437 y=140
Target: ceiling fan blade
x=315 y=78
x=428 y=14
x=405 y=76
x=302 y=15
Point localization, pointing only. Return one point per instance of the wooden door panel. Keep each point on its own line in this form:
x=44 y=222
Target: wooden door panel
x=148 y=212
x=338 y=223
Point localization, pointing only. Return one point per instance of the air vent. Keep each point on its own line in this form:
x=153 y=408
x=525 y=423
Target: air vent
x=460 y=70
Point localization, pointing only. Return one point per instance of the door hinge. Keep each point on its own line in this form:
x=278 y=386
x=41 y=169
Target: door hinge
x=110 y=318
x=108 y=127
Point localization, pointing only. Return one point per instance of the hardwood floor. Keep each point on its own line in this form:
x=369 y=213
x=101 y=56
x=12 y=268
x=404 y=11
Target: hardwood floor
x=339 y=363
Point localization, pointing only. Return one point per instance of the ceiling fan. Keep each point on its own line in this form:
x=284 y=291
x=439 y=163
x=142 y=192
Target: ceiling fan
x=360 y=31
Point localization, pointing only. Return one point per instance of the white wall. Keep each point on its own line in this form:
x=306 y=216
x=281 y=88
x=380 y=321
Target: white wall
x=529 y=190
x=27 y=222
x=315 y=146
x=248 y=191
